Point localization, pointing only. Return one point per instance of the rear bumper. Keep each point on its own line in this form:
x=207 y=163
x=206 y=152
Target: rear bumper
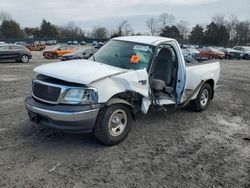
x=66 y=118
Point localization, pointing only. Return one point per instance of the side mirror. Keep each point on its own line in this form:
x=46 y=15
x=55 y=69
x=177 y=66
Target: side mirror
x=84 y=53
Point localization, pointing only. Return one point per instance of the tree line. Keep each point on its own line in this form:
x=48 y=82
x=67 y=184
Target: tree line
x=221 y=31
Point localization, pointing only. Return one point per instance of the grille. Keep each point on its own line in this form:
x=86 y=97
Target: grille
x=46 y=92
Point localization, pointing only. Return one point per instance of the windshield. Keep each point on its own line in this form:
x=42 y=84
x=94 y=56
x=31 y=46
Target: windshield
x=55 y=48
x=79 y=51
x=247 y=48
x=120 y=54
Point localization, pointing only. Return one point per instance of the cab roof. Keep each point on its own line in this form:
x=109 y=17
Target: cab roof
x=150 y=40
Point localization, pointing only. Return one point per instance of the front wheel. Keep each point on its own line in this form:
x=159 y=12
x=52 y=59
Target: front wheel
x=203 y=98
x=25 y=59
x=246 y=56
x=113 y=124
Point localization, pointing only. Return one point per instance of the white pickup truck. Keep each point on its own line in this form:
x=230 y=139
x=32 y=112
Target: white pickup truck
x=127 y=75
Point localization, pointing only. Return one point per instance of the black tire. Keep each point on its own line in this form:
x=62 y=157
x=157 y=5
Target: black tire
x=246 y=57
x=103 y=128
x=47 y=55
x=199 y=104
x=24 y=59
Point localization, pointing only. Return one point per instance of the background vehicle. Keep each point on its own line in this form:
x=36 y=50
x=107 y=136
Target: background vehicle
x=245 y=50
x=94 y=43
x=36 y=47
x=192 y=52
x=127 y=75
x=185 y=52
x=21 y=43
x=75 y=42
x=69 y=42
x=51 y=42
x=57 y=51
x=233 y=54
x=79 y=54
x=98 y=45
x=15 y=52
x=83 y=43
x=211 y=53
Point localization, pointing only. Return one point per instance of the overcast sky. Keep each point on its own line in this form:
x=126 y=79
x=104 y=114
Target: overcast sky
x=89 y=13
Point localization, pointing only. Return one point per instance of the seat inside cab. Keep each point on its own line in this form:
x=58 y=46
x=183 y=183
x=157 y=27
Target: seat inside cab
x=164 y=73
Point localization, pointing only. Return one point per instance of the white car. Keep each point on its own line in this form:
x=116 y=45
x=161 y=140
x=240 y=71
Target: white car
x=245 y=50
x=127 y=75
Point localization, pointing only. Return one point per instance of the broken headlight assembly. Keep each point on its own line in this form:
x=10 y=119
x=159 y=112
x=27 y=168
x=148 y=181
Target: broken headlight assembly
x=80 y=96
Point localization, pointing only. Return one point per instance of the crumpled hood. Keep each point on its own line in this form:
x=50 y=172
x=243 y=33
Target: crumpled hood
x=78 y=71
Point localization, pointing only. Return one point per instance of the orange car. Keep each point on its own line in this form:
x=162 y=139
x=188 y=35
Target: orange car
x=211 y=53
x=58 y=51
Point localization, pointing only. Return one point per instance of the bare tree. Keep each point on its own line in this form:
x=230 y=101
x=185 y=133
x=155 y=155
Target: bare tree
x=71 y=30
x=219 y=19
x=183 y=28
x=242 y=32
x=166 y=19
x=100 y=33
x=124 y=29
x=231 y=26
x=152 y=26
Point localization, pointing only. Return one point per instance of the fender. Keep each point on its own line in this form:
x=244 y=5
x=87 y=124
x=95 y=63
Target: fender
x=118 y=101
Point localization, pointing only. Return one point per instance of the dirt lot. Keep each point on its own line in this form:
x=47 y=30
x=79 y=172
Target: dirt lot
x=178 y=149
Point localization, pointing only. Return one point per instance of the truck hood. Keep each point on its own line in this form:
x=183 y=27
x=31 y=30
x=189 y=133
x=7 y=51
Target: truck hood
x=79 y=71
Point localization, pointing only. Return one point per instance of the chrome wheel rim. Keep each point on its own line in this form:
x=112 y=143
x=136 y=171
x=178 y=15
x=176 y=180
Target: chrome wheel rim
x=25 y=59
x=204 y=97
x=117 y=122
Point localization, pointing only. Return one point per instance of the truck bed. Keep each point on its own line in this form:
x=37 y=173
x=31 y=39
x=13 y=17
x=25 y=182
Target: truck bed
x=201 y=71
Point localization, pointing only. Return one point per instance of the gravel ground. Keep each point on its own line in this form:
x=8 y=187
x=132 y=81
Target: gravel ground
x=179 y=148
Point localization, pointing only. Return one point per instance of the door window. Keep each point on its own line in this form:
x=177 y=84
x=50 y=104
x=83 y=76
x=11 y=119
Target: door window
x=15 y=48
x=4 y=48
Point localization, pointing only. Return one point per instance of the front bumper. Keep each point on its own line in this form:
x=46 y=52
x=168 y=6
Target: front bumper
x=67 y=118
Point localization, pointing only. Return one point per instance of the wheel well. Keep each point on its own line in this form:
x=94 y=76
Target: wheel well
x=131 y=98
x=211 y=83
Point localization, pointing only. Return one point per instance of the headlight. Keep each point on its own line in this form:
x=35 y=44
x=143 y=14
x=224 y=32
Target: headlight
x=80 y=96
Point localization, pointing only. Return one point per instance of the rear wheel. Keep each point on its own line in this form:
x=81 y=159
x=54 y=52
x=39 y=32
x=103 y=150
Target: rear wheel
x=203 y=99
x=24 y=59
x=113 y=124
x=47 y=55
